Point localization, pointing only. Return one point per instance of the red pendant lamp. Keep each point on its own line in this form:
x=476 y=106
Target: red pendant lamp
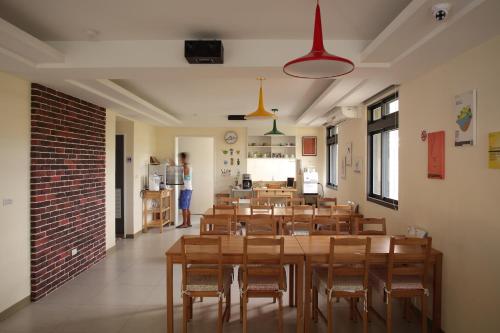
x=318 y=64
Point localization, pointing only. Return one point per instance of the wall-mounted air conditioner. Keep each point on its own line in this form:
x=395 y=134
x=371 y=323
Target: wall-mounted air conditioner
x=342 y=113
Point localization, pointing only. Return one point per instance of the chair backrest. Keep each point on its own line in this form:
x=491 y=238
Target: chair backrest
x=215 y=225
x=224 y=210
x=279 y=200
x=201 y=250
x=326 y=202
x=348 y=257
x=263 y=257
x=302 y=215
x=222 y=195
x=409 y=256
x=228 y=201
x=325 y=225
x=326 y=211
x=262 y=210
x=295 y=201
x=343 y=208
x=369 y=226
x=260 y=225
x=260 y=201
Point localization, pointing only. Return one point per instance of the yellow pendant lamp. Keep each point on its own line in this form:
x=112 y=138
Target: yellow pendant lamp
x=261 y=112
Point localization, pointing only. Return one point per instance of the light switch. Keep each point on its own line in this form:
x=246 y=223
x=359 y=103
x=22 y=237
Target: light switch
x=7 y=202
x=74 y=252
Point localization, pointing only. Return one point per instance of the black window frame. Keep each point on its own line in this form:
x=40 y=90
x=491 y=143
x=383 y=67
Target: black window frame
x=331 y=139
x=388 y=122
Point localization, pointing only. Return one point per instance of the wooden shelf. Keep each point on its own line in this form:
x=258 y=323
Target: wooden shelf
x=162 y=214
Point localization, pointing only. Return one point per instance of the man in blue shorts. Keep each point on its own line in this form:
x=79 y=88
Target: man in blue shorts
x=186 y=191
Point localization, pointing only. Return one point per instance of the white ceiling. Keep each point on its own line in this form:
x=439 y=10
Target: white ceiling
x=184 y=19
x=136 y=64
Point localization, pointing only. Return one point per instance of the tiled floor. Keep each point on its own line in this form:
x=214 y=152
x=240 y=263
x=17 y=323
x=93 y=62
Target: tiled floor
x=126 y=293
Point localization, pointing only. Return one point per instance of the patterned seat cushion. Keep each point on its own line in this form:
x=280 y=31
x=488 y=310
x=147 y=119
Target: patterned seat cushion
x=263 y=282
x=378 y=278
x=197 y=282
x=340 y=283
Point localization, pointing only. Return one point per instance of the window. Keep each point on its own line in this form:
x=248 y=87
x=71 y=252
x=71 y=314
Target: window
x=383 y=152
x=332 y=153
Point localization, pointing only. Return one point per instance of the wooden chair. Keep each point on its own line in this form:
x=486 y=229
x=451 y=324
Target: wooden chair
x=228 y=211
x=262 y=210
x=324 y=225
x=406 y=274
x=262 y=274
x=295 y=201
x=260 y=225
x=343 y=208
x=203 y=275
x=228 y=201
x=326 y=202
x=260 y=201
x=302 y=217
x=346 y=276
x=215 y=225
x=369 y=226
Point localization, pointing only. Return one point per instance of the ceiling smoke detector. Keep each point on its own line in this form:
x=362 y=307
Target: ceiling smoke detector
x=440 y=11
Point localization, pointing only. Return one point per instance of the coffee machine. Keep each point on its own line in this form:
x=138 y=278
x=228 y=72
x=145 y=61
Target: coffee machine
x=246 y=182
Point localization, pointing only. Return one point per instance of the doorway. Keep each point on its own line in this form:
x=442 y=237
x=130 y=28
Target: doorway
x=202 y=161
x=119 y=186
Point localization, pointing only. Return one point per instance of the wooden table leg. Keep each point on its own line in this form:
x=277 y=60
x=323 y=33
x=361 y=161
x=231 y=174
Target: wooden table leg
x=300 y=296
x=307 y=301
x=437 y=294
x=291 y=286
x=170 y=295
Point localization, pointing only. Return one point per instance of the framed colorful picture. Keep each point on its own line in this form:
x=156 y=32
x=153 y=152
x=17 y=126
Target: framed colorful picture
x=435 y=155
x=465 y=118
x=309 y=146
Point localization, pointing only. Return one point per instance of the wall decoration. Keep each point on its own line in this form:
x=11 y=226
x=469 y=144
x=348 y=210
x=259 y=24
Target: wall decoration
x=494 y=150
x=357 y=164
x=309 y=146
x=465 y=118
x=435 y=155
x=348 y=154
x=230 y=137
x=342 y=168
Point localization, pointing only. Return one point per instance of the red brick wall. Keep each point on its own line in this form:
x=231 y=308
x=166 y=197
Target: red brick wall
x=67 y=187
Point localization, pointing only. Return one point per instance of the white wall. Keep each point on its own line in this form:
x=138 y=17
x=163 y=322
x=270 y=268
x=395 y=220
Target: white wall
x=15 y=99
x=462 y=211
x=144 y=147
x=166 y=149
x=110 y=178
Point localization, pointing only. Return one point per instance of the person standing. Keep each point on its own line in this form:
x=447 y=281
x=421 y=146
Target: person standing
x=186 y=191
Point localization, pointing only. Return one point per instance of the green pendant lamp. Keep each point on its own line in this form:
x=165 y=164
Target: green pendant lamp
x=275 y=130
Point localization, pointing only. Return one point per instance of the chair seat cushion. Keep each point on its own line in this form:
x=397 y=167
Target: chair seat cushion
x=196 y=282
x=262 y=282
x=340 y=283
x=378 y=279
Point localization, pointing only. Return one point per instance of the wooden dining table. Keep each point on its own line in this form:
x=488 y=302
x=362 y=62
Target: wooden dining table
x=317 y=248
x=232 y=252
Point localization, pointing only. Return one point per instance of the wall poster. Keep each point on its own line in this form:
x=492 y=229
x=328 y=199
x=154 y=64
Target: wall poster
x=494 y=150
x=465 y=118
x=435 y=155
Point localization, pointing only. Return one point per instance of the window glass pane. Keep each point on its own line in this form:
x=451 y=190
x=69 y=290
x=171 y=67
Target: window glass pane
x=377 y=113
x=391 y=164
x=377 y=164
x=393 y=107
x=333 y=165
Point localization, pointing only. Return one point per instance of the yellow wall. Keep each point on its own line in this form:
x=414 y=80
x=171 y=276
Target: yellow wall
x=15 y=98
x=461 y=212
x=110 y=178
